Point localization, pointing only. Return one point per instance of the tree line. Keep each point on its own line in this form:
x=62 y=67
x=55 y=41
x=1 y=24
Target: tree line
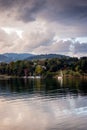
x=43 y=67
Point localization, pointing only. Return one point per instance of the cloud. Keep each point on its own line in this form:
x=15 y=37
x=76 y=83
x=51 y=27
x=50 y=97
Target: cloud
x=40 y=42
x=29 y=41
x=30 y=12
x=60 y=47
x=80 y=48
x=65 y=48
x=66 y=18
x=24 y=10
x=8 y=42
x=41 y=21
x=37 y=38
x=67 y=12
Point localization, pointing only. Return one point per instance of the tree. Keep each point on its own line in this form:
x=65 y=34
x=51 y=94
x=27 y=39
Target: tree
x=38 y=70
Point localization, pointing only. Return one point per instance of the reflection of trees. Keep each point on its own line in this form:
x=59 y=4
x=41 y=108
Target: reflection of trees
x=41 y=85
x=75 y=84
x=38 y=84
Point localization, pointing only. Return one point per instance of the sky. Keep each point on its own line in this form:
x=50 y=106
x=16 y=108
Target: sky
x=43 y=27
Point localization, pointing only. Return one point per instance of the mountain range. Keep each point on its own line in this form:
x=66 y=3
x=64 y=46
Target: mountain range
x=9 y=57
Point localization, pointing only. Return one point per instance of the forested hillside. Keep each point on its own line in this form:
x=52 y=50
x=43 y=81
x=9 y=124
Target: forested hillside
x=44 y=67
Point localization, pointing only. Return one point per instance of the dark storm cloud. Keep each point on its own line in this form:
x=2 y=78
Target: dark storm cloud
x=65 y=11
x=42 y=21
x=26 y=10
x=30 y=13
x=80 y=48
x=7 y=3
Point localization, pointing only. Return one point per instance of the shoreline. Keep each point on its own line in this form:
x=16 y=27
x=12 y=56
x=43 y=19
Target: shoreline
x=55 y=76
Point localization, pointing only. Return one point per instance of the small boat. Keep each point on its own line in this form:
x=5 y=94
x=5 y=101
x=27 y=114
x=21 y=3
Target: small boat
x=61 y=76
x=34 y=77
x=60 y=79
x=37 y=77
x=31 y=77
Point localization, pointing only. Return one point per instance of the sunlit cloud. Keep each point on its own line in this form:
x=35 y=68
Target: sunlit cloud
x=12 y=30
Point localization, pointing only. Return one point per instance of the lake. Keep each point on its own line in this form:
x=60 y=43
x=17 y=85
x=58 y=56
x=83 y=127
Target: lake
x=38 y=104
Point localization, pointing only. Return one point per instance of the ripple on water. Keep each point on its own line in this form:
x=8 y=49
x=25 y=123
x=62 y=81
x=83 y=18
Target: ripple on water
x=43 y=109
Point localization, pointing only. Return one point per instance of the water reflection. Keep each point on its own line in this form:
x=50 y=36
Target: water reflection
x=38 y=85
x=43 y=104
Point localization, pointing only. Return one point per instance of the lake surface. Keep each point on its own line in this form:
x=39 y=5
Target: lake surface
x=43 y=104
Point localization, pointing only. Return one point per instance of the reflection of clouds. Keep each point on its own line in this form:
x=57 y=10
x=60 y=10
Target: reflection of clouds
x=23 y=116
x=41 y=114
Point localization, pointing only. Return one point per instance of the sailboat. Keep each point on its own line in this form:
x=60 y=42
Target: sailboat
x=60 y=76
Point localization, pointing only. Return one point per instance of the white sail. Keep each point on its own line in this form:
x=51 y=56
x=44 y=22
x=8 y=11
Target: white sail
x=61 y=75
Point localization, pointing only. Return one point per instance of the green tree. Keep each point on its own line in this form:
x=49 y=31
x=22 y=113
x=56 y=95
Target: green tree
x=38 y=70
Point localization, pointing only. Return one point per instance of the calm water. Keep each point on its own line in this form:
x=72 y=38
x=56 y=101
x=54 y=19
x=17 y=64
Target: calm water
x=43 y=104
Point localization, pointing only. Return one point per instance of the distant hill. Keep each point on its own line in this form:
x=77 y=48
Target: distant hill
x=8 y=57
x=3 y=58
x=18 y=56
x=46 y=56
